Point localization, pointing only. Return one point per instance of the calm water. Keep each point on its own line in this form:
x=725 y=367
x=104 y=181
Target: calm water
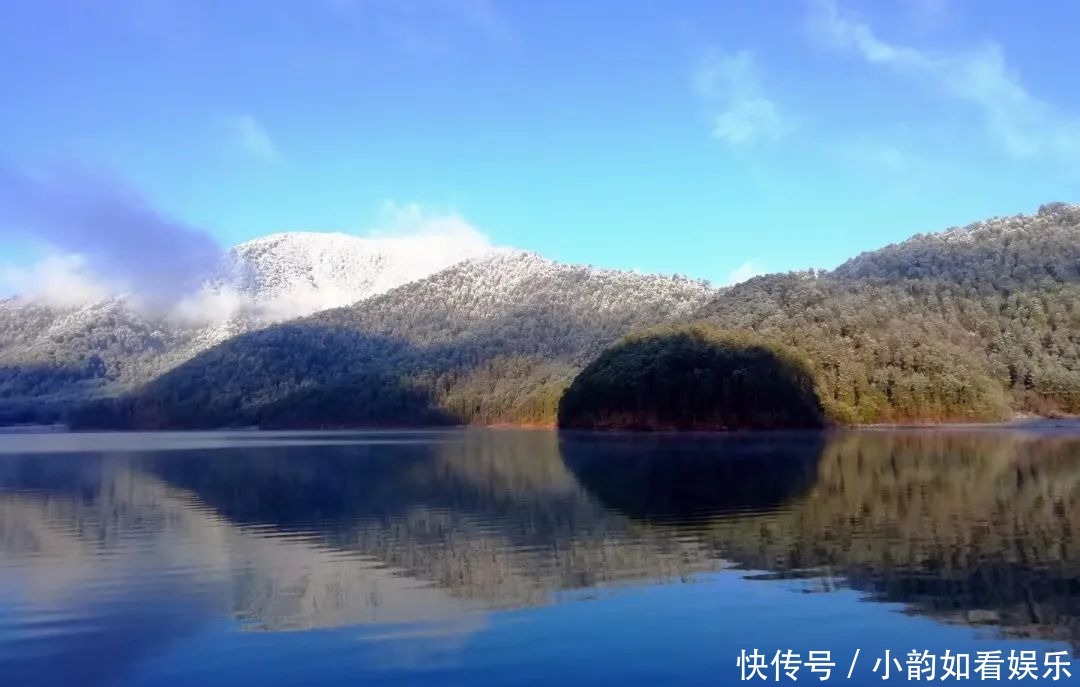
x=502 y=557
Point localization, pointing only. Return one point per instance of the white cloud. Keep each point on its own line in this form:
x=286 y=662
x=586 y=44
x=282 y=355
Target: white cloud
x=115 y=232
x=210 y=305
x=747 y=270
x=731 y=89
x=252 y=137
x=1024 y=125
x=412 y=219
x=60 y=280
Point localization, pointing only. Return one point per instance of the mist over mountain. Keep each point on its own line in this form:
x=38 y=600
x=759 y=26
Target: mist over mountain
x=56 y=352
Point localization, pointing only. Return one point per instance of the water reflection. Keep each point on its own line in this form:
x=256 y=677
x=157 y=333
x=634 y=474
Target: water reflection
x=126 y=551
x=980 y=527
x=977 y=528
x=686 y=479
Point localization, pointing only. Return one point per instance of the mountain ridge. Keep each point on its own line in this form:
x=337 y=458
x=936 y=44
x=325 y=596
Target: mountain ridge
x=916 y=330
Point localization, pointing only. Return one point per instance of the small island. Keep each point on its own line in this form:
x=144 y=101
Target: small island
x=693 y=377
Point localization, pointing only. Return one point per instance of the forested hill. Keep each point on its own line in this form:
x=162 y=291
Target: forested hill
x=970 y=324
x=1001 y=254
x=522 y=304
x=493 y=340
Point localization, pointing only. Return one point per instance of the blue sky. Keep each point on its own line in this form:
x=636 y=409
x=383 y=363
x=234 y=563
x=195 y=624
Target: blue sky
x=703 y=138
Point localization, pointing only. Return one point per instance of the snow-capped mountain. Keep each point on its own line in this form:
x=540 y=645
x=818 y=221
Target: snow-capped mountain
x=297 y=273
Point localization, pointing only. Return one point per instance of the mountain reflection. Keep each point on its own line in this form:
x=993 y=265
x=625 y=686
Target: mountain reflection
x=298 y=532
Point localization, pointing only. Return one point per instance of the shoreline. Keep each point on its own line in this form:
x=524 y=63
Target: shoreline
x=1018 y=423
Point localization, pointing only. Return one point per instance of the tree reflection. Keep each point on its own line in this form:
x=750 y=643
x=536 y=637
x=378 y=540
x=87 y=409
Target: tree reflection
x=978 y=527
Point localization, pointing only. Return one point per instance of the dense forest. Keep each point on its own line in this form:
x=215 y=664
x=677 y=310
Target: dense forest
x=972 y=324
x=692 y=377
x=495 y=341
x=969 y=324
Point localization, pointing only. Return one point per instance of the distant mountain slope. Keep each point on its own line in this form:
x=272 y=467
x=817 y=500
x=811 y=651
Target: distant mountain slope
x=1000 y=253
x=49 y=352
x=525 y=303
x=52 y=354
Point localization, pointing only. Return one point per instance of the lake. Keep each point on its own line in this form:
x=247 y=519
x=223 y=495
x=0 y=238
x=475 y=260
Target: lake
x=514 y=557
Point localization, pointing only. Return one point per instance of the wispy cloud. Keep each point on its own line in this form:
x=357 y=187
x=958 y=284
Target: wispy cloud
x=252 y=137
x=739 y=111
x=747 y=270
x=100 y=231
x=396 y=219
x=57 y=280
x=1023 y=124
